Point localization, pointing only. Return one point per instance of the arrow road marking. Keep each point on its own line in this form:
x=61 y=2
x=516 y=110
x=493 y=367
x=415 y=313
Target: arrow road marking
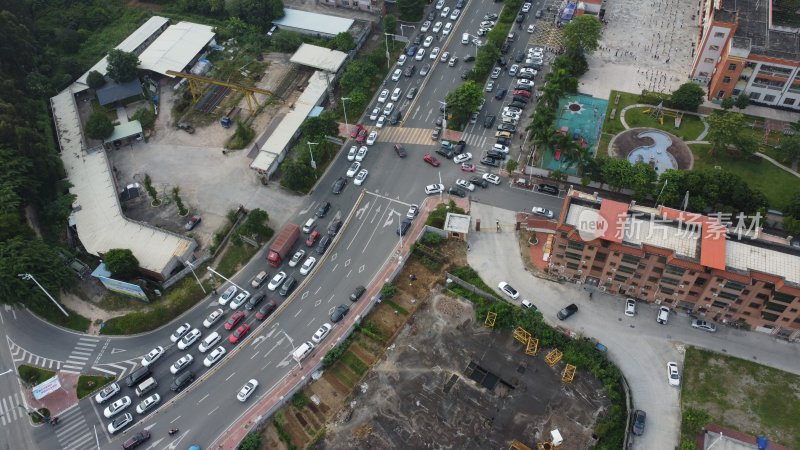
x=360 y=211
x=175 y=443
x=117 y=350
x=306 y=210
x=257 y=340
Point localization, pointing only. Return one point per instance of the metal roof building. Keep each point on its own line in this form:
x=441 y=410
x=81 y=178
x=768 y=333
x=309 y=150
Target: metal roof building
x=125 y=130
x=319 y=58
x=113 y=92
x=177 y=46
x=313 y=23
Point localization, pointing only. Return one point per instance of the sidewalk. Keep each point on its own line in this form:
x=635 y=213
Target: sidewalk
x=59 y=401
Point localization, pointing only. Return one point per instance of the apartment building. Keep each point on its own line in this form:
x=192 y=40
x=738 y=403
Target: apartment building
x=686 y=261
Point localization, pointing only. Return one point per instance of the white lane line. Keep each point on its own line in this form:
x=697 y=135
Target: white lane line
x=205 y=397
x=334 y=268
x=298 y=313
x=317 y=291
x=361 y=225
x=374 y=229
x=310 y=322
x=329 y=300
x=255 y=354
x=230 y=376
x=173 y=420
x=212 y=411
x=265 y=365
x=348 y=273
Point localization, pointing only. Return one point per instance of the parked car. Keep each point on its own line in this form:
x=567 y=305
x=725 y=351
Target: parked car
x=457 y=191
x=568 y=311
x=193 y=222
x=430 y=159
x=638 y=421
x=434 y=189
x=630 y=307
x=508 y=290
x=673 y=375
x=704 y=325
x=544 y=212
x=339 y=313
x=663 y=315
x=357 y=293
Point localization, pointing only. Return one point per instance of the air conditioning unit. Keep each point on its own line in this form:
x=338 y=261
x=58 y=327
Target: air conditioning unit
x=609 y=278
x=722 y=285
x=602 y=288
x=580 y=271
x=715 y=294
x=681 y=286
x=583 y=262
x=613 y=269
x=658 y=301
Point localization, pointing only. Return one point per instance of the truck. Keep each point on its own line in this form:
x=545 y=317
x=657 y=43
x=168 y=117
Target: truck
x=283 y=244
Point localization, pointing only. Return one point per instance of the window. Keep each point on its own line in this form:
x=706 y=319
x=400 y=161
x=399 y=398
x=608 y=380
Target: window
x=731 y=66
x=728 y=295
x=788 y=101
x=736 y=92
x=572 y=266
x=700 y=282
x=755 y=95
x=770 y=317
x=709 y=60
x=662 y=259
x=626 y=269
x=667 y=291
x=764 y=297
x=719 y=304
x=720 y=94
x=719 y=34
x=575 y=245
x=652 y=279
x=562 y=247
x=693 y=293
x=671 y=281
x=600 y=257
x=713 y=48
x=726 y=80
x=734 y=286
x=754 y=305
x=620 y=278
x=675 y=270
x=637 y=276
x=769 y=98
x=575 y=256
x=780 y=297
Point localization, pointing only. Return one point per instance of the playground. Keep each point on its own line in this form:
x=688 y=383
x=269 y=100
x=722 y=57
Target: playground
x=662 y=150
x=581 y=117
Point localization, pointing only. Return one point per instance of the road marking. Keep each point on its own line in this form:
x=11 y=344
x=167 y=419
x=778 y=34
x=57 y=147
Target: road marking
x=310 y=322
x=355 y=236
x=255 y=354
x=334 y=256
x=230 y=376
x=117 y=350
x=265 y=365
x=347 y=263
x=371 y=236
x=360 y=211
x=349 y=272
x=317 y=291
x=318 y=302
x=329 y=300
x=305 y=294
x=298 y=313
x=173 y=420
x=375 y=214
x=361 y=269
x=334 y=268
x=201 y=400
x=306 y=210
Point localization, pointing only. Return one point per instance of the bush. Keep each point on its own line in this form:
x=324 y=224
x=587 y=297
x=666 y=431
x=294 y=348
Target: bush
x=251 y=441
x=336 y=352
x=299 y=400
x=145 y=116
x=34 y=375
x=121 y=262
x=431 y=239
x=241 y=137
x=388 y=291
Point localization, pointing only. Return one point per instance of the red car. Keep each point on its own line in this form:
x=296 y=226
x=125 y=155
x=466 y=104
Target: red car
x=468 y=167
x=430 y=159
x=312 y=238
x=521 y=93
x=239 y=334
x=234 y=320
x=356 y=129
x=362 y=135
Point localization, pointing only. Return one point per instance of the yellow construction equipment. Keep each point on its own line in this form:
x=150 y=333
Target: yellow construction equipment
x=491 y=317
x=196 y=87
x=553 y=357
x=569 y=374
x=521 y=335
x=533 y=346
x=517 y=445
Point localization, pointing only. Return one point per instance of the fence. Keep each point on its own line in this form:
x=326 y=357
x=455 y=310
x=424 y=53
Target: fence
x=470 y=287
x=178 y=276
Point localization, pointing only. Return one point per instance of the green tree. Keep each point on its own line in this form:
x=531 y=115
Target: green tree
x=617 y=173
x=145 y=116
x=718 y=190
x=390 y=24
x=251 y=441
x=511 y=165
x=257 y=12
x=724 y=129
x=742 y=101
x=791 y=225
x=297 y=175
x=463 y=100
x=122 y=66
x=99 y=126
x=727 y=103
x=581 y=35
x=256 y=224
x=789 y=148
x=793 y=208
x=121 y=262
x=320 y=126
x=687 y=97
x=95 y=79
x=643 y=178
x=34 y=256
x=411 y=10
x=344 y=42
x=357 y=75
x=286 y=41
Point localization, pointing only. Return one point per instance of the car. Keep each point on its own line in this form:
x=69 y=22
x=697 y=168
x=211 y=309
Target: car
x=420 y=54
x=227 y=295
x=214 y=356
x=401 y=60
x=488 y=23
x=523 y=82
x=500 y=148
x=482 y=31
x=266 y=310
x=321 y=333
x=446 y=152
x=521 y=93
x=402 y=229
x=357 y=129
x=568 y=311
x=465 y=184
x=106 y=393
x=704 y=325
x=425 y=26
x=193 y=222
x=503 y=134
x=213 y=318
x=496 y=73
x=190 y=338
x=288 y=286
x=152 y=356
x=663 y=315
x=234 y=320
x=435 y=133
x=464 y=157
x=117 y=407
x=479 y=181
x=431 y=15
x=525 y=76
x=448 y=27
x=372 y=116
x=362 y=134
x=673 y=375
x=323 y=244
x=440 y=4
x=382 y=97
x=521 y=17
x=492 y=162
x=526 y=7
x=488 y=121
x=430 y=159
x=434 y=189
x=523 y=88
x=361 y=177
x=530 y=28
x=454 y=15
x=512 y=110
x=539 y=14
x=180 y=332
x=308 y=265
x=508 y=290
x=491 y=16
x=181 y=381
x=362 y=153
x=411 y=93
x=437 y=27
x=144 y=435
x=460 y=4
x=339 y=313
x=528 y=70
x=467 y=167
x=396 y=74
x=630 y=307
x=520 y=57
x=240 y=299
x=425 y=69
x=638 y=421
x=148 y=403
x=353 y=169
x=254 y=301
x=258 y=280
x=338 y=185
x=333 y=227
x=445 y=12
x=182 y=363
x=434 y=53
x=247 y=390
x=386 y=110
x=239 y=334
x=500 y=94
x=381 y=121
x=544 y=212
x=358 y=292
x=312 y=238
x=323 y=209
x=547 y=189
x=527 y=304
x=396 y=94
x=120 y=423
x=411 y=49
x=465 y=75
x=489 y=86
x=297 y=257
x=276 y=281
x=453 y=61
x=513 y=70
x=373 y=135
x=457 y=191
x=496 y=155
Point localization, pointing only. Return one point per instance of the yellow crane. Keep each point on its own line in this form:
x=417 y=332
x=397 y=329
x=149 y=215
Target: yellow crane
x=196 y=88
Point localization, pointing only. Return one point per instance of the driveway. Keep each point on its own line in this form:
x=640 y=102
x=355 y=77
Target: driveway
x=638 y=345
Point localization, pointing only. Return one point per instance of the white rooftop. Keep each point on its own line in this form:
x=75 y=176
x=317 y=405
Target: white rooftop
x=175 y=48
x=319 y=57
x=313 y=22
x=457 y=223
x=741 y=255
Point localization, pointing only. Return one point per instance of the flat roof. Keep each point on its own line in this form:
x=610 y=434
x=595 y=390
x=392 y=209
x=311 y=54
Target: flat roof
x=457 y=223
x=96 y=210
x=113 y=92
x=313 y=22
x=125 y=130
x=744 y=256
x=615 y=214
x=175 y=48
x=757 y=22
x=319 y=57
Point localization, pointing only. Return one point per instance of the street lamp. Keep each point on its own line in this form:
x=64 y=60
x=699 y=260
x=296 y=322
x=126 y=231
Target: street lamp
x=386 y=40
x=346 y=125
x=191 y=267
x=313 y=163
x=223 y=277
x=29 y=277
x=291 y=342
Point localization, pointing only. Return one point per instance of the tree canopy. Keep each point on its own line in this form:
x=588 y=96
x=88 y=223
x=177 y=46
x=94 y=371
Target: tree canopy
x=582 y=35
x=463 y=100
x=121 y=262
x=727 y=133
x=122 y=66
x=411 y=10
x=710 y=191
x=687 y=97
x=344 y=42
x=95 y=79
x=257 y=12
x=99 y=126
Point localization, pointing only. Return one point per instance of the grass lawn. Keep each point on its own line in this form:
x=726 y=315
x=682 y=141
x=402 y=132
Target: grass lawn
x=778 y=185
x=90 y=383
x=691 y=125
x=34 y=375
x=234 y=257
x=614 y=126
x=741 y=394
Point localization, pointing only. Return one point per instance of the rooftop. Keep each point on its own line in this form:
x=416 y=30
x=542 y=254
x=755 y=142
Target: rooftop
x=125 y=130
x=319 y=58
x=176 y=47
x=754 y=23
x=113 y=92
x=313 y=22
x=457 y=223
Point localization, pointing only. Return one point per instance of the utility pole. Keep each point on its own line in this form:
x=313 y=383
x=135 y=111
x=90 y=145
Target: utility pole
x=346 y=125
x=313 y=163
x=191 y=267
x=29 y=277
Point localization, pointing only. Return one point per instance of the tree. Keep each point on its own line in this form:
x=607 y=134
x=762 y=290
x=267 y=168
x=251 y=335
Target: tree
x=95 y=79
x=257 y=12
x=251 y=441
x=710 y=189
x=724 y=129
x=581 y=35
x=728 y=103
x=34 y=256
x=793 y=208
x=789 y=148
x=390 y=24
x=643 y=178
x=357 y=75
x=320 y=126
x=463 y=100
x=791 y=225
x=99 y=126
x=286 y=41
x=145 y=116
x=344 y=42
x=297 y=175
x=742 y=101
x=122 y=66
x=511 y=165
x=617 y=173
x=121 y=262
x=256 y=224
x=411 y=10
x=687 y=97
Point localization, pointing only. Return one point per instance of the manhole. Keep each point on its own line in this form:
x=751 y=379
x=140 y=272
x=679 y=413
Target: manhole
x=521 y=369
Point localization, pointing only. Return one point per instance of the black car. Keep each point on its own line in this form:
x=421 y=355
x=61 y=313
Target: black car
x=461 y=3
x=181 y=381
x=479 y=181
x=410 y=70
x=137 y=376
x=334 y=227
x=486 y=161
x=568 y=311
x=547 y=189
x=494 y=154
x=469 y=58
x=502 y=62
x=431 y=16
x=464 y=75
x=525 y=76
x=266 y=310
x=357 y=293
x=418 y=39
x=637 y=424
x=401 y=152
x=519 y=105
x=459 y=148
x=488 y=121
x=338 y=185
x=394 y=119
x=524 y=87
x=402 y=229
x=520 y=18
x=519 y=99
x=339 y=313
x=136 y=440
x=506 y=127
x=254 y=301
x=504 y=141
x=323 y=244
x=288 y=286
x=500 y=93
x=455 y=190
x=323 y=209
x=446 y=152
x=505 y=48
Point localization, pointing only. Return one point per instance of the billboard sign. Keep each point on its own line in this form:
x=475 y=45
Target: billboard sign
x=48 y=387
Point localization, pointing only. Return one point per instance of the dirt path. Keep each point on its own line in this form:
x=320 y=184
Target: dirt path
x=90 y=311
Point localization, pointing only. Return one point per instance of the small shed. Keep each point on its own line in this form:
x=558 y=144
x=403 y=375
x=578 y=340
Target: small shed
x=126 y=131
x=457 y=226
x=114 y=92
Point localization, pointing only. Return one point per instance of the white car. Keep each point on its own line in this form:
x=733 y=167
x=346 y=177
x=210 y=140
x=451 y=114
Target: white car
x=529 y=71
x=214 y=356
x=434 y=53
x=465 y=184
x=117 y=407
x=663 y=315
x=425 y=26
x=190 y=338
x=362 y=153
x=413 y=210
x=396 y=94
x=362 y=175
x=464 y=157
x=107 y=392
x=440 y=4
x=353 y=169
x=213 y=318
x=309 y=264
x=381 y=121
x=511 y=115
x=445 y=12
x=437 y=26
x=489 y=86
x=388 y=109
x=491 y=178
x=210 y=341
x=322 y=333
x=526 y=7
x=527 y=304
x=373 y=135
x=512 y=109
x=148 y=403
x=500 y=148
x=153 y=356
x=445 y=57
x=298 y=256
x=120 y=423
x=227 y=295
x=276 y=281
x=374 y=115
x=630 y=307
x=428 y=41
x=382 y=98
x=434 y=189
x=178 y=334
x=530 y=28
x=351 y=155
x=420 y=54
x=513 y=70
x=508 y=290
x=544 y=212
x=704 y=325
x=247 y=390
x=240 y=299
x=448 y=27
x=524 y=82
x=181 y=363
x=673 y=375
x=401 y=60
x=454 y=15
x=495 y=73
x=396 y=75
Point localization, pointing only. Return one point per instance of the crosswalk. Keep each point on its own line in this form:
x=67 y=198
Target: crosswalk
x=10 y=410
x=21 y=356
x=72 y=431
x=80 y=354
x=118 y=369
x=422 y=136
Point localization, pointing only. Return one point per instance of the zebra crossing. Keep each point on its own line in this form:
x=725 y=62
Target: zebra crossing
x=422 y=136
x=80 y=354
x=118 y=369
x=72 y=431
x=21 y=356
x=10 y=410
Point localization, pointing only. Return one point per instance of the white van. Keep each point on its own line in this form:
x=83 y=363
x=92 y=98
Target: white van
x=309 y=225
x=303 y=351
x=465 y=38
x=210 y=341
x=146 y=386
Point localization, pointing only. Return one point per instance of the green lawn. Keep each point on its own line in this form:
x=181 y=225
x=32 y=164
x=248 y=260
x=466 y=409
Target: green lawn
x=691 y=125
x=235 y=256
x=614 y=126
x=778 y=185
x=90 y=383
x=742 y=395
x=34 y=375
